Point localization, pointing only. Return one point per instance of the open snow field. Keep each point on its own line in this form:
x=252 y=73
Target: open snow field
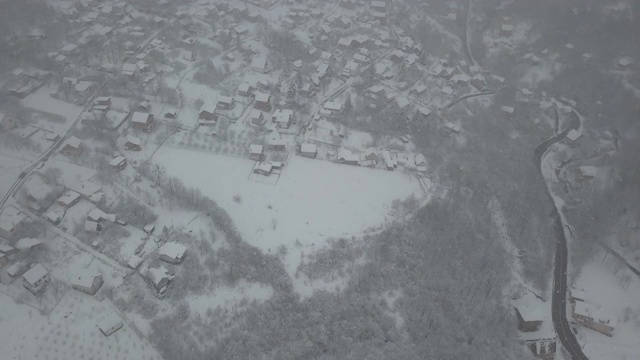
x=608 y=284
x=69 y=332
x=312 y=201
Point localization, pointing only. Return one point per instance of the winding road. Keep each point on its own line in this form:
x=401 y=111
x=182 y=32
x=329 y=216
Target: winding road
x=559 y=296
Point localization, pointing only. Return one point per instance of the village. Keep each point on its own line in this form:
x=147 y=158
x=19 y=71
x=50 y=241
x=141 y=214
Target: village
x=257 y=94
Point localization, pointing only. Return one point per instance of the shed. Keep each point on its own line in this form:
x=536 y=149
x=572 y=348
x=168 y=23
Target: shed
x=36 y=279
x=88 y=283
x=110 y=324
x=309 y=150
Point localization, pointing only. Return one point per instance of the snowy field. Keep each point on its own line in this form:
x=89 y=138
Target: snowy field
x=312 y=201
x=617 y=290
x=69 y=332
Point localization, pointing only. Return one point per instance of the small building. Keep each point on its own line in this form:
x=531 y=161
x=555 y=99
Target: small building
x=88 y=283
x=7 y=250
x=92 y=226
x=118 y=162
x=379 y=5
x=133 y=143
x=506 y=30
x=508 y=110
x=69 y=199
x=309 y=150
x=72 y=147
x=263 y=101
x=4 y=260
x=256 y=152
x=7 y=122
x=102 y=101
x=142 y=121
x=573 y=135
x=172 y=252
x=624 y=62
x=594 y=318
x=225 y=102
x=263 y=168
x=149 y=228
x=110 y=324
x=543 y=348
x=529 y=319
x=259 y=64
x=36 y=279
x=97 y=215
x=17 y=269
x=588 y=172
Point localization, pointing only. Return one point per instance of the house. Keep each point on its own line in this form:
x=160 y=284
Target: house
x=244 y=89
x=225 y=102
x=130 y=70
x=259 y=64
x=263 y=168
x=506 y=30
x=257 y=117
x=172 y=252
x=133 y=143
x=10 y=221
x=624 y=62
x=333 y=106
x=420 y=161
x=102 y=101
x=379 y=5
x=159 y=277
x=452 y=128
x=54 y=216
x=7 y=122
x=207 y=112
x=256 y=152
x=588 y=172
x=69 y=199
x=72 y=147
x=593 y=317
x=36 y=279
x=40 y=192
x=529 y=318
x=110 y=324
x=347 y=157
x=388 y=161
x=263 y=101
x=309 y=150
x=118 y=162
x=573 y=135
x=149 y=228
x=277 y=144
x=142 y=121
x=97 y=215
x=283 y=118
x=88 y=283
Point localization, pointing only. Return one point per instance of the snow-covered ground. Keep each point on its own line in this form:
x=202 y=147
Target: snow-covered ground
x=69 y=332
x=608 y=284
x=312 y=201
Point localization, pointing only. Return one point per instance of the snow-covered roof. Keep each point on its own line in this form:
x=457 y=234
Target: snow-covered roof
x=97 y=215
x=140 y=117
x=90 y=226
x=27 y=243
x=333 y=105
x=262 y=97
x=420 y=160
x=595 y=312
x=156 y=274
x=73 y=142
x=255 y=149
x=34 y=274
x=264 y=166
x=69 y=197
x=225 y=99
x=10 y=218
x=308 y=148
x=574 y=134
x=134 y=140
x=172 y=250
x=85 y=279
x=117 y=160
